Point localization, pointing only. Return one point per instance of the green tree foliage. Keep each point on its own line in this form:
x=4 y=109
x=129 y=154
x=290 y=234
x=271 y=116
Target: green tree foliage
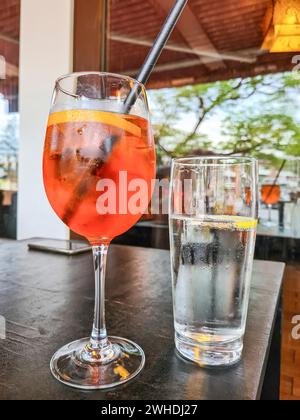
x=258 y=115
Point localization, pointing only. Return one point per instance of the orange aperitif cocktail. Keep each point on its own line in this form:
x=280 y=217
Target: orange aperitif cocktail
x=270 y=195
x=76 y=159
x=99 y=172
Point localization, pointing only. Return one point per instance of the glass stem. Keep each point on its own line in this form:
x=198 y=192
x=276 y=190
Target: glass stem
x=99 y=334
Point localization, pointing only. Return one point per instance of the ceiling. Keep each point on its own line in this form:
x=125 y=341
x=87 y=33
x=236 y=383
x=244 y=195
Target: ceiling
x=228 y=33
x=213 y=40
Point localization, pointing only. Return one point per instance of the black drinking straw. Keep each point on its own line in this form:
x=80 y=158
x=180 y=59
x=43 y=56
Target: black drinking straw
x=155 y=52
x=142 y=77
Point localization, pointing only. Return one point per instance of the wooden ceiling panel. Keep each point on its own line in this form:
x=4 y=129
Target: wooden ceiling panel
x=10 y=18
x=227 y=27
x=231 y=27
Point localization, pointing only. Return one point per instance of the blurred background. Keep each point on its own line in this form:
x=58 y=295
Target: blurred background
x=228 y=83
x=224 y=85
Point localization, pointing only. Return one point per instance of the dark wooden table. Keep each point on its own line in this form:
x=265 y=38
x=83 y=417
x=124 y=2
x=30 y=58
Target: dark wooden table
x=47 y=301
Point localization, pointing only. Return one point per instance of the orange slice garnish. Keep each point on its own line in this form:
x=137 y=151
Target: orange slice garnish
x=108 y=118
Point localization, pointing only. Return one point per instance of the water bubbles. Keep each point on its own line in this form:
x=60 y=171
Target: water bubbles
x=211 y=274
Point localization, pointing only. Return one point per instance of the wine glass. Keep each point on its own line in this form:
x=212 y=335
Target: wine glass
x=270 y=195
x=98 y=167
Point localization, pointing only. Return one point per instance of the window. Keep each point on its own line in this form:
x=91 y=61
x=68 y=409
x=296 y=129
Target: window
x=9 y=116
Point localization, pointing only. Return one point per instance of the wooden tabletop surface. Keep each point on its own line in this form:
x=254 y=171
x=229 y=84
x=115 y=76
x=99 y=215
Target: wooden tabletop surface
x=47 y=301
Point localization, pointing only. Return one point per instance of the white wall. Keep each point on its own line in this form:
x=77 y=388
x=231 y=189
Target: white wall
x=45 y=53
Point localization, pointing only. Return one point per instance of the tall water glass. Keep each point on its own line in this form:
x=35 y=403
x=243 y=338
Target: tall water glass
x=213 y=220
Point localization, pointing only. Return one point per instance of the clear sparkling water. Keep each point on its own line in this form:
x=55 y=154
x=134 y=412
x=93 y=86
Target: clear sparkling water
x=211 y=266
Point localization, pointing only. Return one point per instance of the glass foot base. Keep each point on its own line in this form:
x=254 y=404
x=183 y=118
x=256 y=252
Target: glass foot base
x=210 y=355
x=77 y=367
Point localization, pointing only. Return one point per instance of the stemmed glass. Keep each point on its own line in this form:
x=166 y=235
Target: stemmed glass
x=270 y=195
x=98 y=166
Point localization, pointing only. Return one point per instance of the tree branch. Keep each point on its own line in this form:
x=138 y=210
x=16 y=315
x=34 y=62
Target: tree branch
x=249 y=149
x=167 y=152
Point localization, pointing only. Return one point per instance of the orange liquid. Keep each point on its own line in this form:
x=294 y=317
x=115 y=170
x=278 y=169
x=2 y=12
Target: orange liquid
x=248 y=193
x=74 y=163
x=270 y=195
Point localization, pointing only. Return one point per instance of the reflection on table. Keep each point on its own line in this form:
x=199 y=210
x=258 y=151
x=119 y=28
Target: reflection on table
x=290 y=228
